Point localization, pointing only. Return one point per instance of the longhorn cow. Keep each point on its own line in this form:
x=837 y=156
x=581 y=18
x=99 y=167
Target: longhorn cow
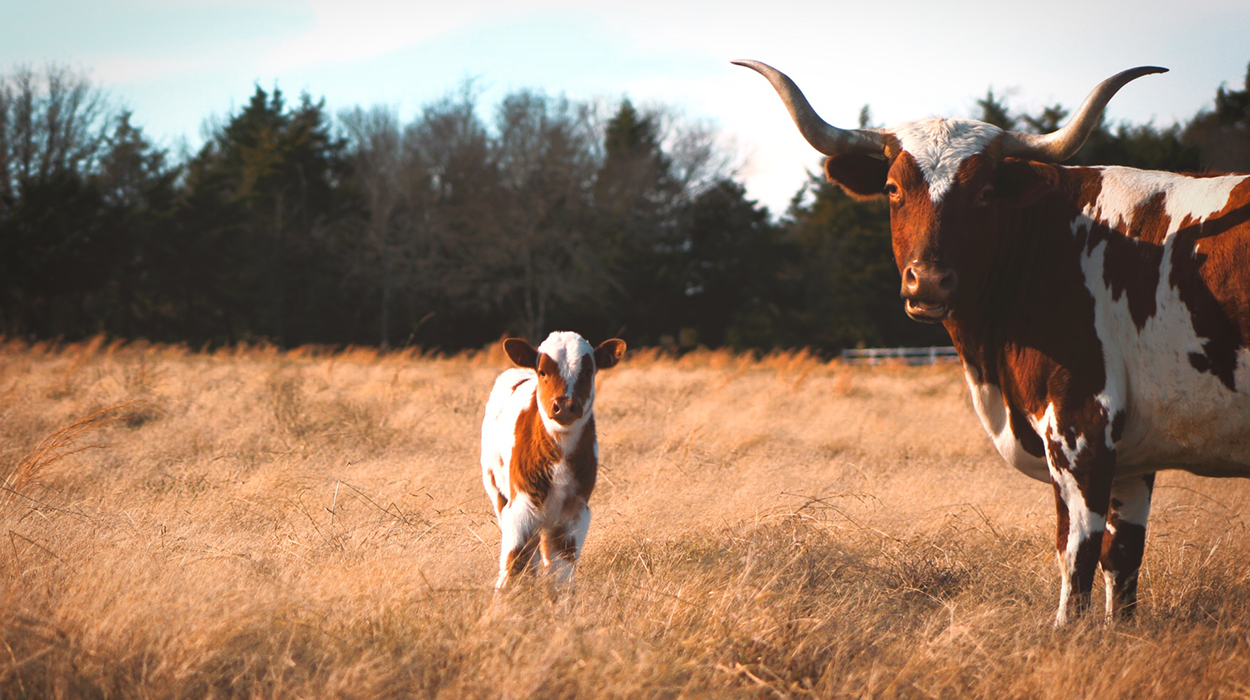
x=1102 y=314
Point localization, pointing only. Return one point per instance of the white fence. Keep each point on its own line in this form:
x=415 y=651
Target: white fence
x=911 y=356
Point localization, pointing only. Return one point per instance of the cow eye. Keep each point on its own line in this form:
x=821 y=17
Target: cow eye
x=891 y=190
x=541 y=373
x=986 y=196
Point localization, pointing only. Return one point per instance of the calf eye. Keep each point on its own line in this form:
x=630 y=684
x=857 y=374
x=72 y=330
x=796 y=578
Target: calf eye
x=891 y=189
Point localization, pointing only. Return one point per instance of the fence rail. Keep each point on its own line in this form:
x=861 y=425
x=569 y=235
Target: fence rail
x=910 y=356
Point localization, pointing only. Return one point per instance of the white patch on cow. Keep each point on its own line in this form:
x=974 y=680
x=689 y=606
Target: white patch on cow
x=512 y=393
x=1134 y=497
x=518 y=522
x=991 y=408
x=1176 y=416
x=940 y=146
x=1124 y=190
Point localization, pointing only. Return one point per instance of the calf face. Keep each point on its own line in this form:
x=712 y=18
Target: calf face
x=565 y=364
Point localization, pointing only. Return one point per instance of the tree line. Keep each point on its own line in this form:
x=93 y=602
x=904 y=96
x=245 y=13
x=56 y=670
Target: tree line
x=293 y=226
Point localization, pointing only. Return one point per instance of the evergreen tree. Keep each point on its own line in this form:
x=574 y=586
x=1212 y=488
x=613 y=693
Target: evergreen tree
x=269 y=180
x=849 y=280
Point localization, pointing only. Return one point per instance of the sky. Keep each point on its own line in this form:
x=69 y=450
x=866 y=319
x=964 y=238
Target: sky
x=178 y=63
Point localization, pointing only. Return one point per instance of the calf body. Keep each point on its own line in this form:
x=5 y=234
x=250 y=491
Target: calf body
x=540 y=456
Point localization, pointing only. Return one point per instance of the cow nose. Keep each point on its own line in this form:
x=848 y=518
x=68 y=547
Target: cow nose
x=928 y=282
x=565 y=409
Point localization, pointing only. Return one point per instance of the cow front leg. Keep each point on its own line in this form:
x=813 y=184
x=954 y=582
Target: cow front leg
x=519 y=523
x=1080 y=471
x=562 y=544
x=1124 y=542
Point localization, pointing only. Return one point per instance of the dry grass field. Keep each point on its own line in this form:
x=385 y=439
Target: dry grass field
x=250 y=523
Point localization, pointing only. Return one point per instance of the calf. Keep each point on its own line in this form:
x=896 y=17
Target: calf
x=539 y=454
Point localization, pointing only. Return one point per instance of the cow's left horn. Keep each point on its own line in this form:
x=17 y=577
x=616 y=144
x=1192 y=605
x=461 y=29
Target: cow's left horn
x=824 y=137
x=1061 y=145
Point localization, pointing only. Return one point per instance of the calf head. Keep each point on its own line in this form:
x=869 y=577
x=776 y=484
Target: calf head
x=949 y=183
x=565 y=364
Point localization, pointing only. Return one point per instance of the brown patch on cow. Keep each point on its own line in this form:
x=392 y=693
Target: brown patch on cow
x=1087 y=553
x=519 y=559
x=585 y=382
x=533 y=456
x=551 y=385
x=1117 y=426
x=582 y=461
x=1024 y=433
x=914 y=219
x=1062 y=523
x=1133 y=257
x=556 y=543
x=1208 y=272
x=500 y=499
x=1123 y=545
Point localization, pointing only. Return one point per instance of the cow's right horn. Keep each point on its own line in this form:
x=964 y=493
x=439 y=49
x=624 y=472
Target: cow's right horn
x=824 y=137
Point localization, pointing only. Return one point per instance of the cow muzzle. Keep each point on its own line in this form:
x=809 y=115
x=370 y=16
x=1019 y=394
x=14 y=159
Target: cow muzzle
x=928 y=291
x=565 y=410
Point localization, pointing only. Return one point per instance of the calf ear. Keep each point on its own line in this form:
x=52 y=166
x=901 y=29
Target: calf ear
x=860 y=175
x=1019 y=183
x=521 y=353
x=609 y=353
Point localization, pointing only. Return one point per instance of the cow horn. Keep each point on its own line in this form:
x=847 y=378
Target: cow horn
x=828 y=139
x=1061 y=145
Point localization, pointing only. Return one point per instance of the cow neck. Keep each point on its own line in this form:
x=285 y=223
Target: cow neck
x=1024 y=245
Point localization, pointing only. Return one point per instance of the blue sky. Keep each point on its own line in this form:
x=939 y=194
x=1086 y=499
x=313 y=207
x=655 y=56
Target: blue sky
x=177 y=62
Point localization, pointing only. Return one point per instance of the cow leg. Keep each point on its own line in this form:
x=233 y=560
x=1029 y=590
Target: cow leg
x=519 y=523
x=562 y=544
x=1124 y=542
x=1081 y=471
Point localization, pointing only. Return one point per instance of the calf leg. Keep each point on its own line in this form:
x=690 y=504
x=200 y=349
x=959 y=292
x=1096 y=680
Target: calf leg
x=562 y=544
x=1124 y=542
x=519 y=523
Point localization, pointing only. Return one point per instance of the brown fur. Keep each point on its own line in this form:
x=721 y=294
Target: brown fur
x=533 y=456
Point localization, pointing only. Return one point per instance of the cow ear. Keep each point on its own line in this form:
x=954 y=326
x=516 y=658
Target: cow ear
x=1019 y=183
x=609 y=353
x=860 y=175
x=521 y=353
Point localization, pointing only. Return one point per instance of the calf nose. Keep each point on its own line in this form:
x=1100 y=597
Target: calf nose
x=566 y=409
x=928 y=282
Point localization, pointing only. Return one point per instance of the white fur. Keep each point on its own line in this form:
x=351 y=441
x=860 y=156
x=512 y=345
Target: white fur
x=940 y=146
x=991 y=408
x=1125 y=189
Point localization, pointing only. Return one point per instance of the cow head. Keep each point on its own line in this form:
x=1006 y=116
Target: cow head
x=948 y=182
x=565 y=364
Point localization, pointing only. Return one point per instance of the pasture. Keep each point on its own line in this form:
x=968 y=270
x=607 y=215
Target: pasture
x=252 y=523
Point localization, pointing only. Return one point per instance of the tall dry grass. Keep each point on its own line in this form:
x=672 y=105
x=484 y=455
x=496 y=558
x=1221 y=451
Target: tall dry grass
x=250 y=523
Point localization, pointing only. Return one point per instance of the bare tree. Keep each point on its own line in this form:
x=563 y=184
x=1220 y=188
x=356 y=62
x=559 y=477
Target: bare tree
x=375 y=148
x=545 y=155
x=52 y=122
